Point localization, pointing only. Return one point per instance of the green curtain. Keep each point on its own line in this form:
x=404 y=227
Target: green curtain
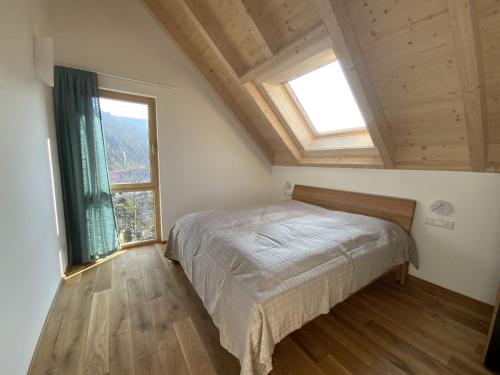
x=90 y=220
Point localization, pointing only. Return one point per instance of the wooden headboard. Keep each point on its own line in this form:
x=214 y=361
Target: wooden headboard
x=397 y=210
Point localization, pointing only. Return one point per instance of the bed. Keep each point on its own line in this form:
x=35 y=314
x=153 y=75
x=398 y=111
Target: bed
x=264 y=271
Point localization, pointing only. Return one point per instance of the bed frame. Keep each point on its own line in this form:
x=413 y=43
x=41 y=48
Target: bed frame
x=397 y=210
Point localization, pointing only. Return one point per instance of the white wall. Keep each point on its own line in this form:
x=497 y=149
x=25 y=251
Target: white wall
x=206 y=159
x=30 y=246
x=467 y=259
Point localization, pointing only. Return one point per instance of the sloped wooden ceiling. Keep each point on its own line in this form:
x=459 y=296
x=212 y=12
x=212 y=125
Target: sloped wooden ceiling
x=427 y=73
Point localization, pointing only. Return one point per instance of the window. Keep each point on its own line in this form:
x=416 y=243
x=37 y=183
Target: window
x=127 y=140
x=326 y=100
x=129 y=127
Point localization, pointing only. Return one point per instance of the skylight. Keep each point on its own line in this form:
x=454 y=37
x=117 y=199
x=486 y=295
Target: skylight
x=327 y=100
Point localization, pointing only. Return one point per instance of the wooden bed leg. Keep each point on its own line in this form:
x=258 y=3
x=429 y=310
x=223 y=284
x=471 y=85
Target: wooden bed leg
x=403 y=273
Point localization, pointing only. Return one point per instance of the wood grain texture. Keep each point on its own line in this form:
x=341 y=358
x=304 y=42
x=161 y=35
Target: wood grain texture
x=121 y=356
x=383 y=329
x=465 y=27
x=227 y=94
x=96 y=359
x=194 y=352
x=425 y=73
x=305 y=47
x=267 y=111
x=347 y=48
x=396 y=210
x=171 y=355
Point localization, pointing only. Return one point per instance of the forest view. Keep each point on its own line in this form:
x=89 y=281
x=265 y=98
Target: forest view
x=127 y=153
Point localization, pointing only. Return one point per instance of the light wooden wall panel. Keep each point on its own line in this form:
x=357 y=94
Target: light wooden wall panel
x=410 y=53
x=488 y=12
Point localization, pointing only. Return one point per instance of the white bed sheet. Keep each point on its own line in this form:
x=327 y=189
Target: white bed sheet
x=263 y=272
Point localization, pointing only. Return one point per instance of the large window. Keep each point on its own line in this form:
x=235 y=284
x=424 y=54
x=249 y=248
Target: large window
x=129 y=124
x=326 y=100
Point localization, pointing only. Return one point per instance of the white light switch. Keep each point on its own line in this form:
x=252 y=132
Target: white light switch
x=440 y=223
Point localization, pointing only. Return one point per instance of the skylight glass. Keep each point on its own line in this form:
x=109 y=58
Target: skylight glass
x=327 y=100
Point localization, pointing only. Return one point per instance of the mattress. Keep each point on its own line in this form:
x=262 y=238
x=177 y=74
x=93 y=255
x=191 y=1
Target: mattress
x=264 y=271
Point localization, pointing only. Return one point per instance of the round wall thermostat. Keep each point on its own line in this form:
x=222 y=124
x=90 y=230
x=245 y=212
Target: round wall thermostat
x=441 y=207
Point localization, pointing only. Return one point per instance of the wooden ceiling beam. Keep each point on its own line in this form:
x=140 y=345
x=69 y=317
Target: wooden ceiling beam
x=348 y=51
x=271 y=117
x=204 y=21
x=258 y=25
x=167 y=23
x=311 y=43
x=344 y=162
x=470 y=66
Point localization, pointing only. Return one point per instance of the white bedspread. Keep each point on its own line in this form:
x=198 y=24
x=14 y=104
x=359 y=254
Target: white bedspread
x=265 y=271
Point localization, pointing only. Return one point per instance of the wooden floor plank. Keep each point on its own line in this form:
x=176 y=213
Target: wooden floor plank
x=329 y=365
x=72 y=355
x=384 y=367
x=415 y=337
x=165 y=311
x=195 y=354
x=337 y=349
x=119 y=273
x=458 y=301
x=171 y=356
x=355 y=343
x=151 y=285
x=149 y=365
x=462 y=366
x=288 y=358
x=47 y=356
x=422 y=362
x=310 y=345
x=141 y=322
x=385 y=329
x=119 y=320
x=103 y=280
x=121 y=354
x=96 y=359
x=83 y=295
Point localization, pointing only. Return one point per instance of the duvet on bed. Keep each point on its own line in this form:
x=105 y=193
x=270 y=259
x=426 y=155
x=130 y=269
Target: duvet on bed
x=263 y=272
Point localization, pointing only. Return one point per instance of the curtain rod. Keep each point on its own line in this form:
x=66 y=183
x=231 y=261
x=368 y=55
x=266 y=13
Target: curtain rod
x=162 y=85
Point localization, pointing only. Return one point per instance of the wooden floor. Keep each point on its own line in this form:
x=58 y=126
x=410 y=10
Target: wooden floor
x=137 y=314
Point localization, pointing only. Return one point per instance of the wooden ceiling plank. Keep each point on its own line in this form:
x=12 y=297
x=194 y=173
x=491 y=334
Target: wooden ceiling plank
x=258 y=26
x=304 y=47
x=348 y=51
x=206 y=23
x=469 y=61
x=155 y=8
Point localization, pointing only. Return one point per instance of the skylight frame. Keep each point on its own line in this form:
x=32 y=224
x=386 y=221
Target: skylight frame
x=272 y=82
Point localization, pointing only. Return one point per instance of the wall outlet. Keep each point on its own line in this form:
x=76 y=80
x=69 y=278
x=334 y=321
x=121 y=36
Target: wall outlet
x=440 y=223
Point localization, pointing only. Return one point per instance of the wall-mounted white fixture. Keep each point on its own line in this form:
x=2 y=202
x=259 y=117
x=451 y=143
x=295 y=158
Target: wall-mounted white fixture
x=441 y=207
x=440 y=223
x=287 y=189
x=43 y=56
